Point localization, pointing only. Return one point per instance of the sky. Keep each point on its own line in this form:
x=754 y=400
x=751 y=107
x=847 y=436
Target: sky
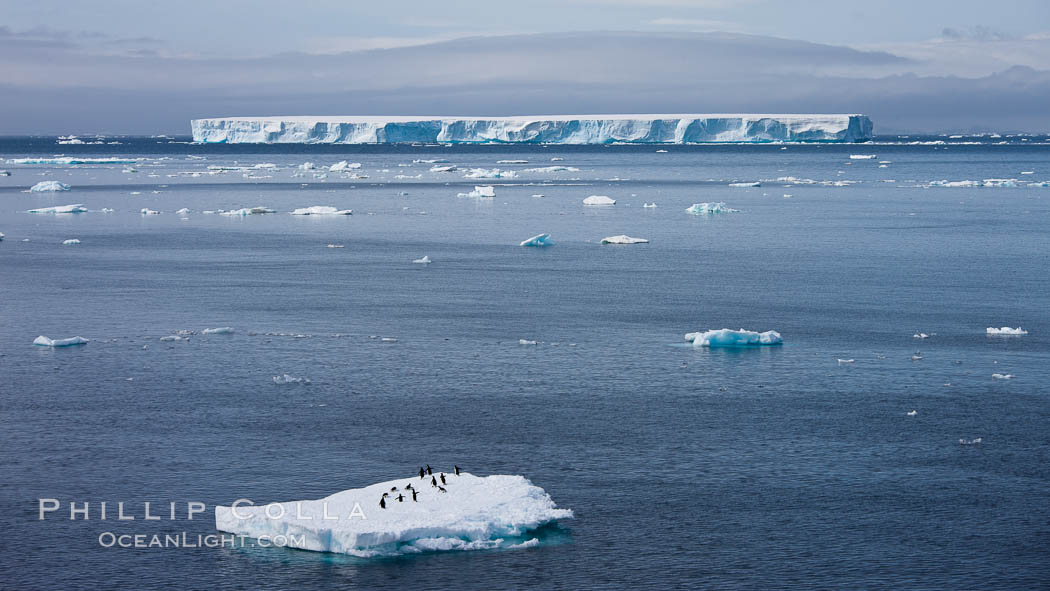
x=121 y=66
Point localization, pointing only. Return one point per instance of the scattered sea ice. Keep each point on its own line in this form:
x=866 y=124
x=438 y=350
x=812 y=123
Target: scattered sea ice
x=624 y=239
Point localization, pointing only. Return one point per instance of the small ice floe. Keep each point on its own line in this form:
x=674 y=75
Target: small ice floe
x=106 y=210
x=1 y=236
x=423 y=261
x=844 y=361
x=710 y=208
x=1003 y=376
x=749 y=184
x=335 y=246
x=556 y=168
x=1022 y=172
x=489 y=173
x=429 y=161
x=388 y=340
x=305 y=166
x=245 y=211
x=733 y=338
x=321 y=210
x=912 y=413
x=649 y=205
x=71 y=241
x=445 y=168
x=42 y=341
x=538 y=195
x=75 y=208
x=1006 y=331
x=183 y=211
x=46 y=186
x=976 y=441
x=173 y=338
x=599 y=200
x=539 y=240
x=661 y=151
x=863 y=156
x=343 y=166
x=512 y=162
x=287 y=379
x=5 y=173
x=920 y=335
x=480 y=191
x=787 y=195
x=526 y=342
x=148 y=211
x=221 y=330
x=917 y=356
x=624 y=239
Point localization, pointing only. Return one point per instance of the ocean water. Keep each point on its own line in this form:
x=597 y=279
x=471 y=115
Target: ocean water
x=730 y=469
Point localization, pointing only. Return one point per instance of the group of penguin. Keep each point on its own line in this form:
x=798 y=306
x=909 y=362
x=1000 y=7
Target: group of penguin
x=423 y=473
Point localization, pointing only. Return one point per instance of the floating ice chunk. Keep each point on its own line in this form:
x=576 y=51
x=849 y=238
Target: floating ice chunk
x=734 y=338
x=512 y=162
x=474 y=513
x=71 y=242
x=1006 y=330
x=556 y=159
x=173 y=338
x=970 y=441
x=599 y=200
x=710 y=208
x=183 y=211
x=1 y=236
x=5 y=173
x=863 y=156
x=446 y=168
x=75 y=208
x=752 y=184
x=538 y=195
x=539 y=240
x=1022 y=172
x=129 y=170
x=912 y=413
x=247 y=211
x=388 y=340
x=845 y=361
x=287 y=379
x=489 y=173
x=343 y=166
x=66 y=160
x=1003 y=376
x=45 y=186
x=321 y=210
x=920 y=335
x=221 y=330
x=335 y=246
x=556 y=168
x=526 y=342
x=480 y=191
x=305 y=166
x=265 y=166
x=530 y=543
x=148 y=211
x=624 y=239
x=423 y=261
x=649 y=205
x=661 y=151
x=42 y=341
x=429 y=161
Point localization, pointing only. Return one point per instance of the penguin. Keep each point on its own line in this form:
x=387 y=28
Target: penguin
x=442 y=489
x=457 y=470
x=414 y=493
x=408 y=486
x=421 y=474
x=385 y=495
x=393 y=489
x=443 y=478
x=429 y=472
x=400 y=498
x=382 y=502
x=433 y=481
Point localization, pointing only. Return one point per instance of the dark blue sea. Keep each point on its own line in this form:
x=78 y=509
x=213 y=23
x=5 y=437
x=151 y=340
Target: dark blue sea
x=763 y=468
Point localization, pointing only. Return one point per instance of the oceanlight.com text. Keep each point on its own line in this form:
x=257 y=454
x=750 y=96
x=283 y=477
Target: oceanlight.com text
x=109 y=539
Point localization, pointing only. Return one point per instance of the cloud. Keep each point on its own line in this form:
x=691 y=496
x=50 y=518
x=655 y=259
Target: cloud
x=975 y=33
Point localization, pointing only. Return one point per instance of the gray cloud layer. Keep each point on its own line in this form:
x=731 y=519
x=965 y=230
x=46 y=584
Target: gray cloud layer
x=62 y=84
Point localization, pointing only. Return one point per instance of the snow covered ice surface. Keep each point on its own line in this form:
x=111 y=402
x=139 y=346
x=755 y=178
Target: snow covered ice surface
x=475 y=513
x=42 y=341
x=709 y=208
x=599 y=200
x=546 y=129
x=734 y=338
x=221 y=330
x=45 y=186
x=480 y=191
x=624 y=239
x=1006 y=331
x=489 y=173
x=539 y=240
x=747 y=184
x=74 y=208
x=321 y=210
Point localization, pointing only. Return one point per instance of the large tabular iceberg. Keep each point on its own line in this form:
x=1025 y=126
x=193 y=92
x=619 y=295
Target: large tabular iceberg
x=734 y=338
x=554 y=129
x=474 y=513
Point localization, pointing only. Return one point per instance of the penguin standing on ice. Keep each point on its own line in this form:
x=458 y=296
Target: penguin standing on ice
x=408 y=486
x=443 y=478
x=442 y=489
x=429 y=471
x=382 y=502
x=400 y=498
x=421 y=474
x=414 y=493
x=457 y=469
x=433 y=481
